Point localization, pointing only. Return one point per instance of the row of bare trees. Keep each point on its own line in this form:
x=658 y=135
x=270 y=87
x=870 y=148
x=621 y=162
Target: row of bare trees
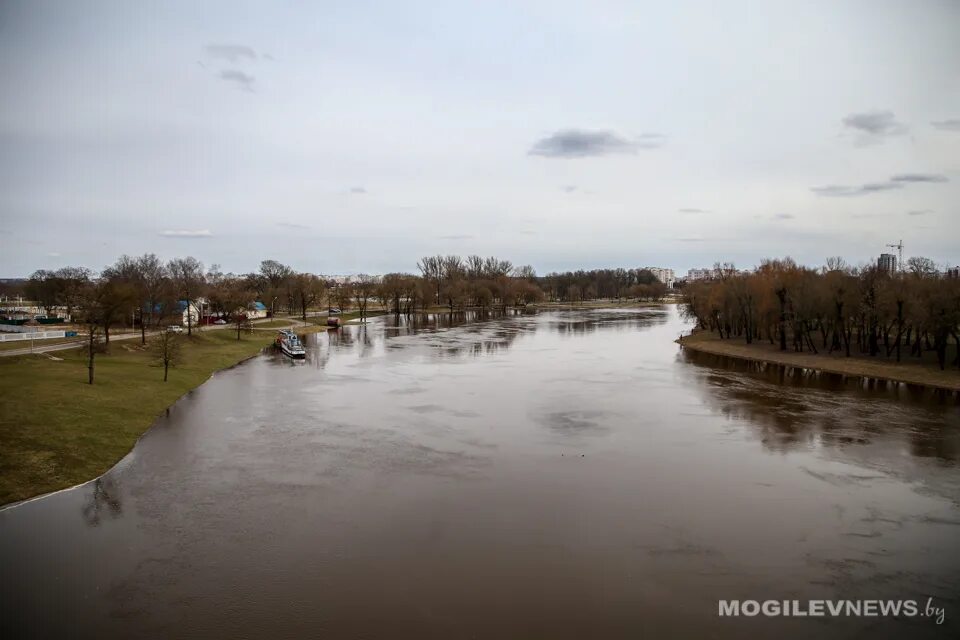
x=577 y=286
x=146 y=291
x=836 y=308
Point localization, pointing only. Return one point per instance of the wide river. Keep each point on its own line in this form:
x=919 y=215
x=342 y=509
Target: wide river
x=570 y=474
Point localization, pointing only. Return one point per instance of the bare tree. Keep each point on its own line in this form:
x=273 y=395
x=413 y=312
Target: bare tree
x=91 y=316
x=166 y=348
x=233 y=298
x=73 y=280
x=308 y=290
x=431 y=269
x=187 y=276
x=922 y=267
x=363 y=288
x=273 y=283
x=43 y=287
x=155 y=283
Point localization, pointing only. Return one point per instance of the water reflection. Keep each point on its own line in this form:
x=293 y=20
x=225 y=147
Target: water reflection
x=791 y=407
x=476 y=335
x=562 y=474
x=103 y=500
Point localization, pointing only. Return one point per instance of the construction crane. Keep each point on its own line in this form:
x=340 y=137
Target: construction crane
x=899 y=248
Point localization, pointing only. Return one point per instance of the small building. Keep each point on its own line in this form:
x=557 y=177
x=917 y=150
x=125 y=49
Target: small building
x=192 y=313
x=257 y=310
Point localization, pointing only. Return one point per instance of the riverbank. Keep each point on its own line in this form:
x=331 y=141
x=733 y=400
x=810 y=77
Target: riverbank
x=56 y=431
x=908 y=372
x=589 y=305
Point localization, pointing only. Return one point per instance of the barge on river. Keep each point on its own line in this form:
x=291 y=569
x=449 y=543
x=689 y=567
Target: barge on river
x=290 y=344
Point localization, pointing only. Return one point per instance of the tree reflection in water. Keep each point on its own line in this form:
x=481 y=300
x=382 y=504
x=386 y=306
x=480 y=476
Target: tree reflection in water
x=104 y=500
x=793 y=407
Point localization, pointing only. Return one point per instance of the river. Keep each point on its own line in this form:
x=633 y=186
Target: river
x=567 y=474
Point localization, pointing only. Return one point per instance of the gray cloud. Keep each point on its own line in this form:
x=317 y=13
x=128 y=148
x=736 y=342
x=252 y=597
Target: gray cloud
x=875 y=124
x=456 y=237
x=919 y=177
x=570 y=188
x=843 y=191
x=919 y=212
x=357 y=190
x=244 y=81
x=895 y=182
x=692 y=210
x=783 y=216
x=292 y=225
x=230 y=52
x=186 y=233
x=578 y=143
x=947 y=125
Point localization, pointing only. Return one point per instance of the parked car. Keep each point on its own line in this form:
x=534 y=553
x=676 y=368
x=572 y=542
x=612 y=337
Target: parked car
x=175 y=328
x=333 y=311
x=220 y=321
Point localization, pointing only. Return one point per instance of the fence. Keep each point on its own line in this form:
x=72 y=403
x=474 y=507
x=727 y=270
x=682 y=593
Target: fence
x=33 y=335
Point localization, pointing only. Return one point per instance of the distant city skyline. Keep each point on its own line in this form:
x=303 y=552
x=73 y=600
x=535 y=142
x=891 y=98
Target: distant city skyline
x=357 y=138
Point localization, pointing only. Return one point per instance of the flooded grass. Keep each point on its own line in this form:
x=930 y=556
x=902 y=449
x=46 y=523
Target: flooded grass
x=57 y=431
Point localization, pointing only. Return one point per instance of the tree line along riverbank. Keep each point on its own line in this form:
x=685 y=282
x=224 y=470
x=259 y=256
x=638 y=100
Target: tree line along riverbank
x=900 y=326
x=915 y=373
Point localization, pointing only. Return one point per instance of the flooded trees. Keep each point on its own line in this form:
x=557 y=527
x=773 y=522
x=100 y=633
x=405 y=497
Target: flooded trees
x=397 y=292
x=577 y=286
x=837 y=308
x=362 y=288
x=457 y=283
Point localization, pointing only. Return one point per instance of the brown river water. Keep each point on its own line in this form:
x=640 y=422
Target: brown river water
x=569 y=474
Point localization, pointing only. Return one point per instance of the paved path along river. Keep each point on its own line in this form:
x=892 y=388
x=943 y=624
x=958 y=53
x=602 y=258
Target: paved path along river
x=571 y=474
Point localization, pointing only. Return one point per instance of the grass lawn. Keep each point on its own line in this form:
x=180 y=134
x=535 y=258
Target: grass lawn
x=909 y=370
x=57 y=431
x=276 y=323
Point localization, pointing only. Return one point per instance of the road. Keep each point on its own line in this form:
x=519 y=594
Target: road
x=130 y=336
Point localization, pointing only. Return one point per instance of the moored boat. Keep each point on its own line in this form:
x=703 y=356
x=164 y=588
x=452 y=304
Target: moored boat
x=290 y=344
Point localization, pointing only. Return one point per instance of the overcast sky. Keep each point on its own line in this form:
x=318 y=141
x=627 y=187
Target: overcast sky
x=357 y=136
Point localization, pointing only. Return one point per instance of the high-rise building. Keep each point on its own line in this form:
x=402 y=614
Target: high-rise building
x=663 y=275
x=887 y=262
x=699 y=274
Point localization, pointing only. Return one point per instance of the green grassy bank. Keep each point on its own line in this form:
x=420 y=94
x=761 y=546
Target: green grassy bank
x=57 y=431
